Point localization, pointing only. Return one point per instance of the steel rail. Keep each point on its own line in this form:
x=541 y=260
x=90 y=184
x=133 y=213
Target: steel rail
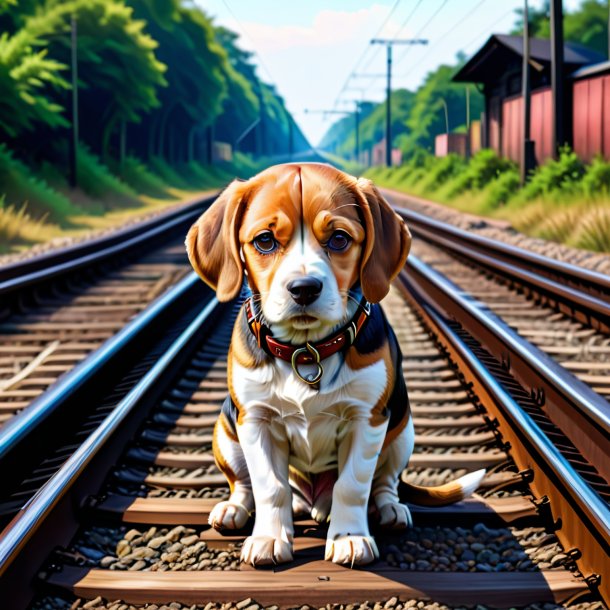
x=31 y=272
x=57 y=497
x=562 y=392
x=573 y=500
x=579 y=289
x=19 y=428
x=437 y=229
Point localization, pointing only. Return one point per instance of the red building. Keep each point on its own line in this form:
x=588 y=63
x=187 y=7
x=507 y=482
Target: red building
x=497 y=68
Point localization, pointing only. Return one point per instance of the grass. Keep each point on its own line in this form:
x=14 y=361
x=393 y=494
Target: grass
x=37 y=205
x=564 y=201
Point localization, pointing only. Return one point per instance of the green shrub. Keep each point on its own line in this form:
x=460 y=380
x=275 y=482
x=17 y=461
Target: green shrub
x=483 y=167
x=440 y=170
x=19 y=187
x=500 y=190
x=561 y=177
x=596 y=180
x=136 y=175
x=95 y=179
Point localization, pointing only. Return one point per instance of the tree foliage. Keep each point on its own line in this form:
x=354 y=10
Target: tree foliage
x=586 y=25
x=417 y=117
x=153 y=76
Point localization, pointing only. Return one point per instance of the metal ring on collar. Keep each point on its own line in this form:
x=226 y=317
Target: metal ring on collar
x=310 y=379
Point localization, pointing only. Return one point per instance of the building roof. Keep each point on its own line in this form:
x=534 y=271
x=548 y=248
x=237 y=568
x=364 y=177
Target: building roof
x=500 y=50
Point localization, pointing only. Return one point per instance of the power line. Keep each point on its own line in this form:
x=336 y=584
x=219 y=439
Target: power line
x=366 y=49
x=400 y=29
x=451 y=29
x=488 y=28
x=247 y=35
x=417 y=35
x=436 y=12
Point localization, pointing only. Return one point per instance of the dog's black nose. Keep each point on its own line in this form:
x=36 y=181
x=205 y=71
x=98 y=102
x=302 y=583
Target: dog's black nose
x=305 y=290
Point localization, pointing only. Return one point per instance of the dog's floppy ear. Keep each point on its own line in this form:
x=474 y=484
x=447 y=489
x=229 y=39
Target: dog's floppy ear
x=212 y=243
x=387 y=244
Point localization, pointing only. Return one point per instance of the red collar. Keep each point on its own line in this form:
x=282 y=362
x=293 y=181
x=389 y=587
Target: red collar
x=310 y=353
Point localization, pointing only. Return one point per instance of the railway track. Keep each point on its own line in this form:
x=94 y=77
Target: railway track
x=71 y=323
x=117 y=507
x=125 y=518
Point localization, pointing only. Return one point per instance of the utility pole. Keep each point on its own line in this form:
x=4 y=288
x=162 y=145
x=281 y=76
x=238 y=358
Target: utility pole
x=358 y=111
x=468 y=134
x=290 y=137
x=446 y=115
x=527 y=156
x=557 y=78
x=74 y=110
x=389 y=42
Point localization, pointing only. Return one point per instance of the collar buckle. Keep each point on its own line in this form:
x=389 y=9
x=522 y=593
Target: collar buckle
x=310 y=379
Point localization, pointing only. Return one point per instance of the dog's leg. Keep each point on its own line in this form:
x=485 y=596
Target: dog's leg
x=349 y=541
x=323 y=495
x=265 y=448
x=229 y=457
x=392 y=461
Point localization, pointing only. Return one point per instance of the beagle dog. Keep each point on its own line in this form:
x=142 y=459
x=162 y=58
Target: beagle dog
x=317 y=419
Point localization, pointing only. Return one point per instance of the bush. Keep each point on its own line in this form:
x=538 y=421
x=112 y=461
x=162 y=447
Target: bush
x=596 y=180
x=19 y=187
x=441 y=169
x=484 y=167
x=135 y=174
x=500 y=190
x=95 y=179
x=558 y=178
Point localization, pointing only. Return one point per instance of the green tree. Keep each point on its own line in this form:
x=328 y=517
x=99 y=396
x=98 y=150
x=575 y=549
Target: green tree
x=27 y=79
x=586 y=25
x=196 y=76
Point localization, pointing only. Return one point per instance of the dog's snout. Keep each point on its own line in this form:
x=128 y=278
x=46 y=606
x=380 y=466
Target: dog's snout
x=305 y=290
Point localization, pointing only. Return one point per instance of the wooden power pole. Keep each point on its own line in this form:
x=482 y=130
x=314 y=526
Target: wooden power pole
x=389 y=42
x=527 y=153
x=557 y=76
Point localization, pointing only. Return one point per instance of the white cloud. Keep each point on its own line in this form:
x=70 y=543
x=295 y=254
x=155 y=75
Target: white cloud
x=329 y=28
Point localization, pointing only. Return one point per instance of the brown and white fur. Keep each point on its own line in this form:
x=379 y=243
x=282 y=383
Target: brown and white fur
x=281 y=443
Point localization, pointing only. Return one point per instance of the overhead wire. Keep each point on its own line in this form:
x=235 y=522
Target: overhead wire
x=417 y=35
x=252 y=42
x=443 y=37
x=363 y=54
x=398 y=31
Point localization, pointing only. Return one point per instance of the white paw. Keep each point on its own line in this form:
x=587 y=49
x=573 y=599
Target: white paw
x=265 y=550
x=321 y=509
x=351 y=550
x=395 y=516
x=226 y=515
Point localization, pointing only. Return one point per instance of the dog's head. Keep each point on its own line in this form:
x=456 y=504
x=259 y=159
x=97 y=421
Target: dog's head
x=306 y=235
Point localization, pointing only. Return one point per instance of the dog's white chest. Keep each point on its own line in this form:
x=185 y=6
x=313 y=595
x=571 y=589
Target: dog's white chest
x=312 y=420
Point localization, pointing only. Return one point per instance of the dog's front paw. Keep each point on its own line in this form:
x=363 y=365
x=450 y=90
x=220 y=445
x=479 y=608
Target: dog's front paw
x=395 y=516
x=265 y=550
x=227 y=515
x=351 y=550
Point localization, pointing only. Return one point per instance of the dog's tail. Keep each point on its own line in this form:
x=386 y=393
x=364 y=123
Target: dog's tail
x=442 y=494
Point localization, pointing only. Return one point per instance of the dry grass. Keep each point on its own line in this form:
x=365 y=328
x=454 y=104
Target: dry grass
x=17 y=227
x=593 y=231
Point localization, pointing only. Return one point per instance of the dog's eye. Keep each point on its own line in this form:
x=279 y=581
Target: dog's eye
x=339 y=241
x=265 y=242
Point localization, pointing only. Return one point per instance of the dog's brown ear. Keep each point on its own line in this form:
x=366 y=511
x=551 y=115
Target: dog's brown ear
x=212 y=243
x=387 y=245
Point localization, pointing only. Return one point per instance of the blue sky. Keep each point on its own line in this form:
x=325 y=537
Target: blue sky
x=309 y=48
